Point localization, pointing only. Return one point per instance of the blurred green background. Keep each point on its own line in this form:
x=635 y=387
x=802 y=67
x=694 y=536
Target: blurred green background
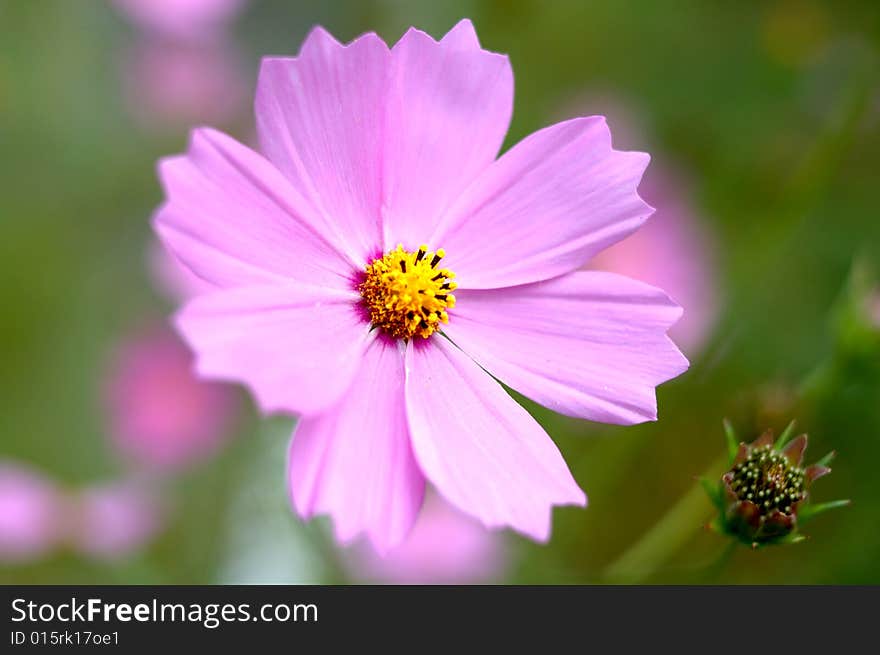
x=770 y=109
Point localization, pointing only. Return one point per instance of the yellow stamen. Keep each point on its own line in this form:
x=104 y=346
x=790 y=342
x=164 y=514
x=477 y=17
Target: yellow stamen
x=406 y=294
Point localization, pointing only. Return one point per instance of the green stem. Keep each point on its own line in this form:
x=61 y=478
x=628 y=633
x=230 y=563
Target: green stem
x=714 y=570
x=667 y=536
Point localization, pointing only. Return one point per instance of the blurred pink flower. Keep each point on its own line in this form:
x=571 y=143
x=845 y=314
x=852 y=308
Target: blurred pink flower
x=181 y=19
x=114 y=520
x=171 y=278
x=160 y=415
x=37 y=517
x=31 y=513
x=444 y=547
x=170 y=83
x=672 y=251
x=328 y=301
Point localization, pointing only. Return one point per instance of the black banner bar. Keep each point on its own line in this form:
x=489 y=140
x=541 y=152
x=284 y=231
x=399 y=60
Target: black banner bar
x=135 y=618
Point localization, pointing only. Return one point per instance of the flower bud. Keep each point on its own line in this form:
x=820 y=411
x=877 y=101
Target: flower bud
x=764 y=496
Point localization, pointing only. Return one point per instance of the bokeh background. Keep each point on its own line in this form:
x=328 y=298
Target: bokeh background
x=763 y=120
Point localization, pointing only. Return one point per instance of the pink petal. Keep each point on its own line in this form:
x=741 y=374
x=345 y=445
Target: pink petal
x=115 y=520
x=484 y=453
x=31 y=513
x=444 y=547
x=673 y=250
x=588 y=344
x=171 y=278
x=448 y=109
x=170 y=85
x=233 y=219
x=160 y=415
x=320 y=121
x=462 y=36
x=181 y=19
x=355 y=462
x=296 y=347
x=544 y=208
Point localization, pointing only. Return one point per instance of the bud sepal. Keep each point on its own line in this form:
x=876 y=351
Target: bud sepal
x=764 y=497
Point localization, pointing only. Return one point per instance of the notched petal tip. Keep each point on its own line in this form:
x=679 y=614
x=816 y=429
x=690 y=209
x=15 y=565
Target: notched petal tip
x=577 y=500
x=165 y=167
x=462 y=34
x=460 y=39
x=202 y=136
x=539 y=535
x=319 y=38
x=682 y=363
x=199 y=138
x=639 y=160
x=636 y=158
x=414 y=33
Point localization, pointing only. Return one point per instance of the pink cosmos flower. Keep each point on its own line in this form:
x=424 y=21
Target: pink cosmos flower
x=181 y=19
x=335 y=298
x=37 y=517
x=160 y=415
x=171 y=83
x=444 y=547
x=30 y=513
x=184 y=68
x=114 y=520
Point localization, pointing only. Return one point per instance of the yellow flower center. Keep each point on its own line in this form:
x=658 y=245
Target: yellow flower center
x=406 y=294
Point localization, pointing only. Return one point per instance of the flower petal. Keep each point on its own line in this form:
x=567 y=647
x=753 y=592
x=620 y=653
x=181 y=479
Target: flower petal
x=484 y=453
x=233 y=219
x=448 y=108
x=32 y=512
x=320 y=120
x=462 y=36
x=544 y=208
x=355 y=462
x=296 y=347
x=588 y=344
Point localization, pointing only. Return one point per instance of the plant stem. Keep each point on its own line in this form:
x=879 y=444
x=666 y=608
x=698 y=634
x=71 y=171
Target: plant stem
x=669 y=534
x=715 y=569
